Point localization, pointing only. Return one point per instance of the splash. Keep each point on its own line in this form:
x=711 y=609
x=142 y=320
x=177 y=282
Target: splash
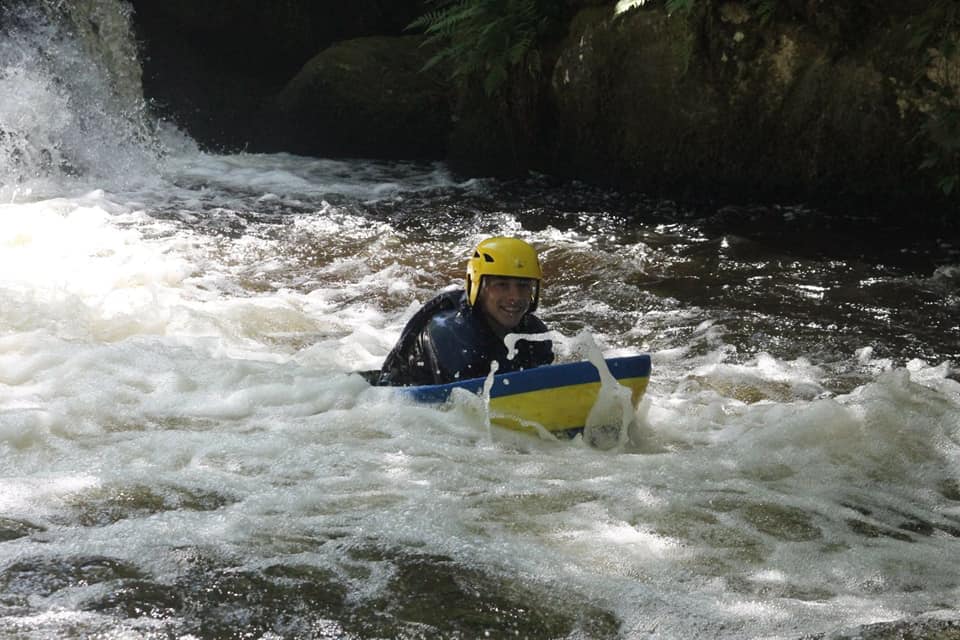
x=71 y=101
x=487 y=385
x=612 y=418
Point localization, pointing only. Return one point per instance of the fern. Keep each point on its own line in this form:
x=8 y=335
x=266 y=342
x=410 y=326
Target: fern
x=683 y=6
x=484 y=39
x=764 y=9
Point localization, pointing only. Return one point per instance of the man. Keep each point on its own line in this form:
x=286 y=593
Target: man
x=457 y=335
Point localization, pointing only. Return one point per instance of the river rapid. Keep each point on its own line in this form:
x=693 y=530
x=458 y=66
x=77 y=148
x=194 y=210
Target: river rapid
x=187 y=451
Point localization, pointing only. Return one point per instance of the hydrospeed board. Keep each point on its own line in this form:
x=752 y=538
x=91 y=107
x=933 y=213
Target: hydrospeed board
x=557 y=397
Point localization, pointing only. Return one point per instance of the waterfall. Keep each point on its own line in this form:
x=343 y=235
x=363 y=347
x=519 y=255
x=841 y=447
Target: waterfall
x=71 y=99
x=104 y=31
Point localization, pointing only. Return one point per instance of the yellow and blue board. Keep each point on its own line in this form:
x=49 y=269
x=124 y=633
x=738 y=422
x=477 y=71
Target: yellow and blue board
x=557 y=397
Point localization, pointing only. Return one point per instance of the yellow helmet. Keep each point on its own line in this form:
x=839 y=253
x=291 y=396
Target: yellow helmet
x=510 y=257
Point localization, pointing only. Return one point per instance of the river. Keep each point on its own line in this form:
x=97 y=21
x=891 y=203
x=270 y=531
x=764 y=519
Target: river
x=186 y=450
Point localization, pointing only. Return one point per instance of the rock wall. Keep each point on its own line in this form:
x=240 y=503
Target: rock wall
x=725 y=104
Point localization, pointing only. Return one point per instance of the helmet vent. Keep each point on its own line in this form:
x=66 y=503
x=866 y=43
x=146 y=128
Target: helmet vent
x=487 y=257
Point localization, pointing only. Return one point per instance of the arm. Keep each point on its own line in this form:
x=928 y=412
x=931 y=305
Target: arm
x=456 y=349
x=405 y=364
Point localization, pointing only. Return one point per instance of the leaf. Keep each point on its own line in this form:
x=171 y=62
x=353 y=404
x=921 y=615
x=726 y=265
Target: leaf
x=683 y=6
x=948 y=183
x=486 y=38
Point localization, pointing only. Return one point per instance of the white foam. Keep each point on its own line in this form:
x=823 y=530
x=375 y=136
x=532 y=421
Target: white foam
x=148 y=359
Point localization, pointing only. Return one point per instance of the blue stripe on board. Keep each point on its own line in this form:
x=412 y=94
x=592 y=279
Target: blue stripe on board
x=547 y=377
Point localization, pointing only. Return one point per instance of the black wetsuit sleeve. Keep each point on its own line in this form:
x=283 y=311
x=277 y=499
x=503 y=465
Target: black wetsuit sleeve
x=407 y=364
x=447 y=341
x=459 y=346
x=454 y=349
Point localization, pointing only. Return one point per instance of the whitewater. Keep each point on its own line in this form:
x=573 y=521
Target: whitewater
x=187 y=449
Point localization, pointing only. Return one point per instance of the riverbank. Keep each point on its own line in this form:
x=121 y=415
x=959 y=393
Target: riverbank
x=829 y=107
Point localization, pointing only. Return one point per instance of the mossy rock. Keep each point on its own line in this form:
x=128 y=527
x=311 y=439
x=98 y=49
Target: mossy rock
x=367 y=97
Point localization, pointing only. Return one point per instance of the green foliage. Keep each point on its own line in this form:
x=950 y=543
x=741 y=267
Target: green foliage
x=935 y=40
x=683 y=6
x=485 y=39
x=764 y=9
x=935 y=25
x=942 y=132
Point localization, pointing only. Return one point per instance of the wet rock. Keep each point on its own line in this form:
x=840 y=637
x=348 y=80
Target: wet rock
x=422 y=596
x=139 y=598
x=784 y=523
x=950 y=489
x=431 y=596
x=106 y=505
x=911 y=629
x=212 y=66
x=869 y=530
x=726 y=104
x=44 y=576
x=11 y=529
x=366 y=97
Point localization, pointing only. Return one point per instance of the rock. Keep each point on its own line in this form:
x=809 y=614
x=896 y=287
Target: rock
x=908 y=629
x=366 y=97
x=728 y=107
x=213 y=66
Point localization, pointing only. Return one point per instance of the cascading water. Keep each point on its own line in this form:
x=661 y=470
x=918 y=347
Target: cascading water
x=184 y=451
x=72 y=101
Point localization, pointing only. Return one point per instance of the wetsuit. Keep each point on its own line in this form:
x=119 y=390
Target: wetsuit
x=448 y=340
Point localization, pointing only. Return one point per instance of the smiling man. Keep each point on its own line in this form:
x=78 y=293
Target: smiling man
x=458 y=334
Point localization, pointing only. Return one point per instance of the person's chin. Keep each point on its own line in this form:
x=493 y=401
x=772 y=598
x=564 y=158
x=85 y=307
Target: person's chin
x=510 y=320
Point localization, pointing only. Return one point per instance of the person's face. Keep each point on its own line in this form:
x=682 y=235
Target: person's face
x=504 y=301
